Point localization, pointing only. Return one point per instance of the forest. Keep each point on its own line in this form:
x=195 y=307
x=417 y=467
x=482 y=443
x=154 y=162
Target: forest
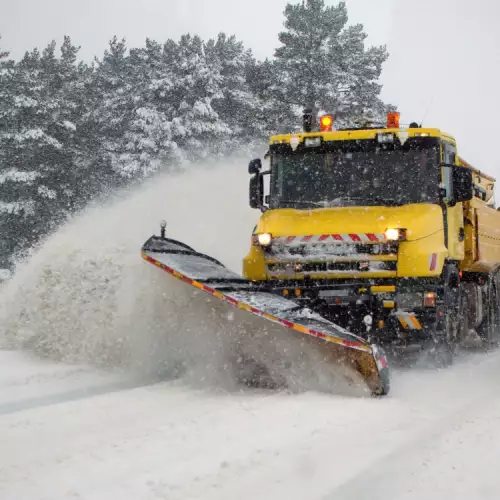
x=73 y=130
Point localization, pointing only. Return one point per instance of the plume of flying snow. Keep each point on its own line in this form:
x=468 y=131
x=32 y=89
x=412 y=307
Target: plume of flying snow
x=86 y=295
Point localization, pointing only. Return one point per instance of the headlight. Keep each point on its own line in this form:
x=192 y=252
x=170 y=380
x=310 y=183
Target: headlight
x=395 y=234
x=265 y=239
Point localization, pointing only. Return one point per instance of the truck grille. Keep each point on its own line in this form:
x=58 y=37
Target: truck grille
x=339 y=250
x=324 y=267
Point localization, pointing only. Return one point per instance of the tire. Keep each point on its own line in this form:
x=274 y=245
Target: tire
x=464 y=318
x=490 y=328
x=453 y=299
x=446 y=342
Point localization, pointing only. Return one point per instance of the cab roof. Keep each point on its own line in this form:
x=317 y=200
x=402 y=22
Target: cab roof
x=362 y=134
x=481 y=179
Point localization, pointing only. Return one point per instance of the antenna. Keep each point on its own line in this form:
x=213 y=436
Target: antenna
x=427 y=111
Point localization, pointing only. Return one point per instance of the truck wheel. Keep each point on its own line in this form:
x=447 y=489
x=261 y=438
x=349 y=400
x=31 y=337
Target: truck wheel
x=490 y=327
x=463 y=318
x=446 y=340
x=453 y=301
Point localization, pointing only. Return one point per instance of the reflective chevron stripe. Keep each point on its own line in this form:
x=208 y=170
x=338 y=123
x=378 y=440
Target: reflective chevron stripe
x=331 y=238
x=409 y=321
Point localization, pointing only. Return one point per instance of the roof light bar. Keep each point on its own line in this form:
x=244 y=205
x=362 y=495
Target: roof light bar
x=393 y=120
x=326 y=123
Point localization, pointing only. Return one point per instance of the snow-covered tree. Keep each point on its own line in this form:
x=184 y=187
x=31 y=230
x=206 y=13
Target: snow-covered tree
x=76 y=130
x=271 y=113
x=172 y=115
x=236 y=103
x=41 y=157
x=21 y=142
x=148 y=141
x=7 y=97
x=110 y=96
x=7 y=90
x=197 y=126
x=325 y=63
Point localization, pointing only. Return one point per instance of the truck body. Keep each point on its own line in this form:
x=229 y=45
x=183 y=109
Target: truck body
x=385 y=230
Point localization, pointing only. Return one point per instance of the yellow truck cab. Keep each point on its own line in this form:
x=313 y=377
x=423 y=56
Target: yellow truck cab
x=384 y=229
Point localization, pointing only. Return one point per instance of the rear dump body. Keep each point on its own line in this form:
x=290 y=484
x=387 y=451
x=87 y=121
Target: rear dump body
x=482 y=226
x=406 y=265
x=255 y=328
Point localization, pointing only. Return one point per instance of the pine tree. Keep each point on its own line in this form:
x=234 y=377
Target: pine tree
x=110 y=97
x=271 y=113
x=58 y=164
x=19 y=174
x=236 y=104
x=325 y=63
x=7 y=98
x=7 y=91
x=84 y=177
x=197 y=127
x=41 y=156
x=148 y=142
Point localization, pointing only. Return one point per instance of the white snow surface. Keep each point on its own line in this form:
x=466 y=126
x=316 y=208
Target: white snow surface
x=73 y=426
x=436 y=436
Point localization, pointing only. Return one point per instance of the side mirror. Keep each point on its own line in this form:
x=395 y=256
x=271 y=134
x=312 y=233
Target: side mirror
x=256 y=191
x=462 y=183
x=255 y=167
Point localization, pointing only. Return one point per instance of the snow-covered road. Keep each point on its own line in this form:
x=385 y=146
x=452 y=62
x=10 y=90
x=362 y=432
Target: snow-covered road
x=436 y=435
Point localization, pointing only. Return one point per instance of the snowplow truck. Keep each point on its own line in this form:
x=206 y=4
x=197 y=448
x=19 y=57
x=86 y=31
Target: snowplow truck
x=384 y=230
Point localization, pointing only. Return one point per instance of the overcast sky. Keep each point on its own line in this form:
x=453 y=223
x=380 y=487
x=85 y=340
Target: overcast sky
x=444 y=64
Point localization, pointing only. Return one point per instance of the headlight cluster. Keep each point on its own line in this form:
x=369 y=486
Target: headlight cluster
x=262 y=240
x=393 y=234
x=265 y=239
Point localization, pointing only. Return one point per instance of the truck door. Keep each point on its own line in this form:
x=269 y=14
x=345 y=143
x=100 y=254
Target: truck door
x=454 y=214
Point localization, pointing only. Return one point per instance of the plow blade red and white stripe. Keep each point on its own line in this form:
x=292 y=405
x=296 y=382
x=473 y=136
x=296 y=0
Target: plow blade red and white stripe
x=330 y=239
x=292 y=344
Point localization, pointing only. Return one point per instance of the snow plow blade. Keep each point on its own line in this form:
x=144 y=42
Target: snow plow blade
x=265 y=329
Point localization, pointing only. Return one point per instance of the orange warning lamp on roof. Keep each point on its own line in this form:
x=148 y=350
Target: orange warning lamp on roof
x=326 y=123
x=393 y=120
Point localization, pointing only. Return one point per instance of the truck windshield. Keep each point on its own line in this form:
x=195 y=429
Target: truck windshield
x=340 y=178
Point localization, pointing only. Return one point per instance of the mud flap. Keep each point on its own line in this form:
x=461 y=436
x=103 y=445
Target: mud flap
x=286 y=341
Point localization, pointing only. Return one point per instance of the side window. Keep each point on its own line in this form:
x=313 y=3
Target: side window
x=450 y=158
x=277 y=175
x=449 y=153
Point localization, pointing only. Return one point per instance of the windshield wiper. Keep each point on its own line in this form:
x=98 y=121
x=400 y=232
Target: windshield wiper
x=387 y=201
x=377 y=199
x=302 y=203
x=339 y=202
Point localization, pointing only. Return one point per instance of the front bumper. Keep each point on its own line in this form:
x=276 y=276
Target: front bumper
x=395 y=318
